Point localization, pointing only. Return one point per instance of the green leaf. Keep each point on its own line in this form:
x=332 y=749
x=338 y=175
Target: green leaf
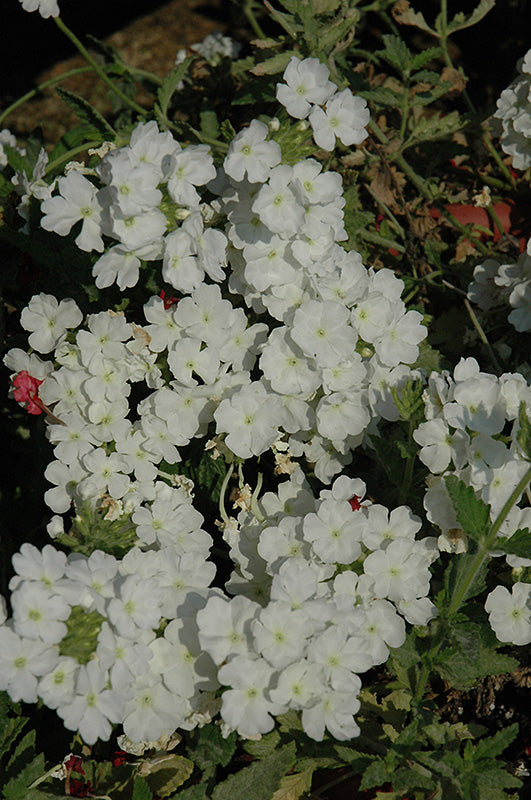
x=293 y=786
x=524 y=433
x=87 y=113
x=383 y=96
x=259 y=781
x=470 y=655
x=212 y=750
x=415 y=18
x=519 y=544
x=472 y=513
x=196 y=792
x=428 y=129
x=209 y=124
x=421 y=59
x=263 y=747
x=492 y=746
x=169 y=87
x=22 y=753
x=141 y=790
x=273 y=65
x=17 y=787
x=376 y=774
x=457 y=570
x=396 y=53
x=461 y=21
x=166 y=773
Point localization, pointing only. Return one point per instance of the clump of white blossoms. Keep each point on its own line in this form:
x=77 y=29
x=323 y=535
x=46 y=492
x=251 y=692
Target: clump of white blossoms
x=496 y=284
x=305 y=376
x=308 y=92
x=514 y=111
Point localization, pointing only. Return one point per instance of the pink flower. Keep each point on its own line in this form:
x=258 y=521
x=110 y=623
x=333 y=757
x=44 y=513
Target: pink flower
x=26 y=390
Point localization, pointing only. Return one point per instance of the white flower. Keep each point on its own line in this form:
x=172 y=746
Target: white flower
x=250 y=154
x=46 y=8
x=94 y=706
x=334 y=711
x=280 y=633
x=22 y=661
x=37 y=614
x=49 y=320
x=510 y=614
x=77 y=200
x=344 y=116
x=334 y=532
x=400 y=572
x=244 y=706
x=151 y=710
x=250 y=419
x=306 y=84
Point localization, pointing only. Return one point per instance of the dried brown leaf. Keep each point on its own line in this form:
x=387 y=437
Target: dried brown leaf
x=464 y=249
x=386 y=183
x=455 y=77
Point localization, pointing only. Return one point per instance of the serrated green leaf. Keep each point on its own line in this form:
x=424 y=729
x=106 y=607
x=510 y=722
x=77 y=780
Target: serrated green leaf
x=265 y=746
x=461 y=21
x=429 y=129
x=376 y=774
x=17 y=787
x=383 y=96
x=414 y=18
x=87 y=113
x=470 y=655
x=286 y=21
x=493 y=746
x=421 y=59
x=396 y=53
x=166 y=773
x=10 y=729
x=293 y=786
x=426 y=98
x=211 y=750
x=23 y=752
x=17 y=161
x=519 y=544
x=169 y=86
x=405 y=779
x=472 y=513
x=141 y=790
x=259 y=781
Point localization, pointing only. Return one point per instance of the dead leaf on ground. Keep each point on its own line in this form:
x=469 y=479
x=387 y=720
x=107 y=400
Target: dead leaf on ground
x=386 y=182
x=464 y=249
x=423 y=223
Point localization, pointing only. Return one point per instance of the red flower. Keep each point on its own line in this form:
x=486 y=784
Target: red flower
x=168 y=301
x=80 y=788
x=355 y=503
x=119 y=758
x=26 y=390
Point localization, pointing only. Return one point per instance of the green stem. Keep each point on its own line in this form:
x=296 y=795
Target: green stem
x=497 y=158
x=67 y=156
x=45 y=85
x=443 y=38
x=226 y=479
x=483 y=336
x=97 y=68
x=251 y=19
x=408 y=473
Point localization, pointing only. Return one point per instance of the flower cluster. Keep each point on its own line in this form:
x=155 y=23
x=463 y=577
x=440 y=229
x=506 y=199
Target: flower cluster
x=496 y=284
x=308 y=92
x=471 y=431
x=514 y=111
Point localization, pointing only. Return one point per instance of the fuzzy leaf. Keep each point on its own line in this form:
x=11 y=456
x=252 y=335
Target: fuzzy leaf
x=524 y=433
x=519 y=544
x=461 y=21
x=17 y=787
x=493 y=746
x=421 y=59
x=87 y=113
x=472 y=513
x=429 y=129
x=259 y=781
x=376 y=774
x=470 y=655
x=273 y=65
x=169 y=86
x=166 y=773
x=212 y=749
x=263 y=747
x=293 y=786
x=396 y=53
x=209 y=124
x=141 y=790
